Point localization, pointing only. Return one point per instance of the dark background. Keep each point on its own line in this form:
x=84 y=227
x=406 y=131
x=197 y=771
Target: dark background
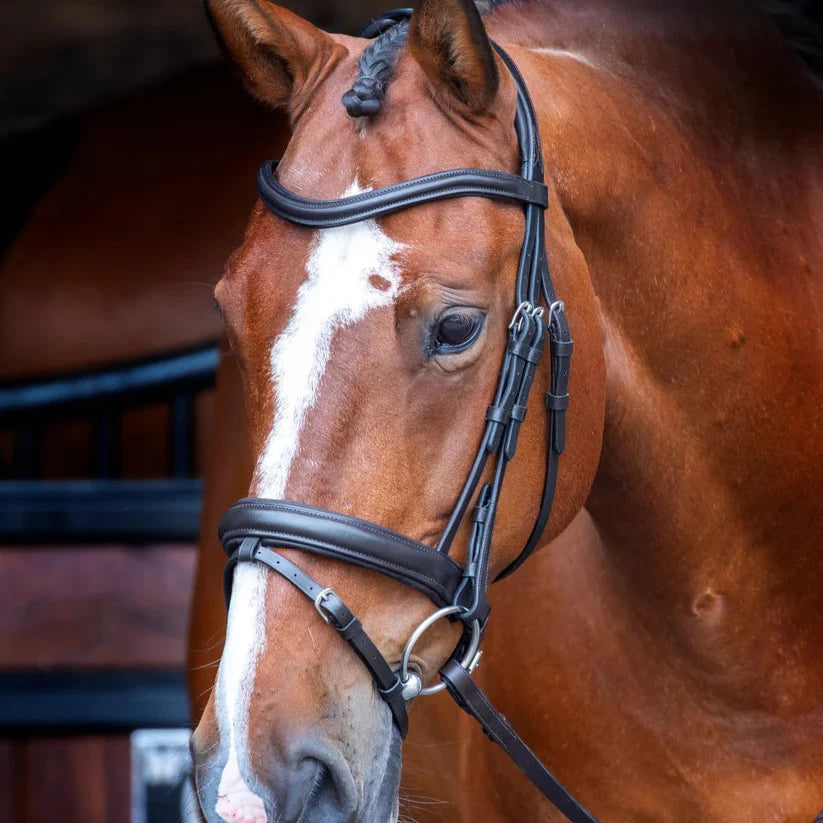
x=62 y=59
x=67 y=55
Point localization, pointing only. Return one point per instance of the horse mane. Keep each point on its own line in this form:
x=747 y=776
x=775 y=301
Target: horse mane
x=376 y=66
x=375 y=69
x=801 y=24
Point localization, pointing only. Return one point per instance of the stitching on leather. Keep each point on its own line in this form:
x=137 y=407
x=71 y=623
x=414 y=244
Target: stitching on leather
x=464 y=190
x=519 y=188
x=353 y=522
x=515 y=179
x=374 y=528
x=274 y=535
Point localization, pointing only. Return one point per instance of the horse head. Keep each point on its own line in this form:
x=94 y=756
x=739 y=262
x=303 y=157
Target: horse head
x=369 y=353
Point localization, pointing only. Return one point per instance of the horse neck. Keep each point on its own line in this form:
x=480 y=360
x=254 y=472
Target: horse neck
x=698 y=212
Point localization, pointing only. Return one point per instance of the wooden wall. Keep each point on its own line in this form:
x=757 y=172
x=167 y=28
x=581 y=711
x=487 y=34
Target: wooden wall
x=77 y=779
x=94 y=608
x=80 y=627
x=88 y=610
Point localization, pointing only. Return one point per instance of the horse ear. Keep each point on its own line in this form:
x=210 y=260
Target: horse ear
x=279 y=54
x=448 y=40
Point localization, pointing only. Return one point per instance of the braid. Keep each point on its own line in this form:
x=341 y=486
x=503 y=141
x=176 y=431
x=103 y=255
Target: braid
x=365 y=97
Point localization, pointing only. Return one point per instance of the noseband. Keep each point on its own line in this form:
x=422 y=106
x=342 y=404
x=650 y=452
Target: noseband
x=252 y=526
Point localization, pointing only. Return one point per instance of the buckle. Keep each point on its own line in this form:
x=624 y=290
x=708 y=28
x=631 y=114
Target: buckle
x=557 y=312
x=318 y=603
x=517 y=318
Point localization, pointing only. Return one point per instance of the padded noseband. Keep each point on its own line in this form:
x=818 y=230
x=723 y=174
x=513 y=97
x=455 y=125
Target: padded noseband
x=296 y=526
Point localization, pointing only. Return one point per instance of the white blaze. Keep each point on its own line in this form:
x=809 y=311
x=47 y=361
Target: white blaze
x=337 y=293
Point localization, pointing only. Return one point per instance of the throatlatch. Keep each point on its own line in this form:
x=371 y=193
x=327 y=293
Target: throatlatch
x=252 y=526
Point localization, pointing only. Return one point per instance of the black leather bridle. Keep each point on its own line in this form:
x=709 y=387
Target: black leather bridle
x=252 y=526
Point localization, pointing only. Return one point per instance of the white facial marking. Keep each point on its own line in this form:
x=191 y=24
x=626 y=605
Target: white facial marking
x=236 y=803
x=337 y=293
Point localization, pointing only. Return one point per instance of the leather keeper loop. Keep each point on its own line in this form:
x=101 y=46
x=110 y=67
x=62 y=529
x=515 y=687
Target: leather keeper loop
x=470 y=570
x=524 y=351
x=562 y=348
x=247 y=548
x=497 y=414
x=396 y=689
x=518 y=412
x=480 y=513
x=557 y=402
x=351 y=629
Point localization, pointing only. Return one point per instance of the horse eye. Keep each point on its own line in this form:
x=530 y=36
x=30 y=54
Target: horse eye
x=456 y=331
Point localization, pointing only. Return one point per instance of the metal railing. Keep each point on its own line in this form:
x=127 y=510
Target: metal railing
x=105 y=506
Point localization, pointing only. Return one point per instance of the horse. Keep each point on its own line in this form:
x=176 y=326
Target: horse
x=660 y=650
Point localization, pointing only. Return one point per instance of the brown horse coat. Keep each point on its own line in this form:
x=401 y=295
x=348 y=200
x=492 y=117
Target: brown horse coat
x=662 y=653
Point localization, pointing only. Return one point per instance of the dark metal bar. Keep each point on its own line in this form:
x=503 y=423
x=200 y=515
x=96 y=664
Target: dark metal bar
x=27 y=451
x=105 y=509
x=72 y=511
x=194 y=368
x=106 y=436
x=181 y=433
x=77 y=701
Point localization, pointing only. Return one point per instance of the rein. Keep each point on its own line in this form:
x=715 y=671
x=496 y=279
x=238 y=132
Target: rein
x=252 y=526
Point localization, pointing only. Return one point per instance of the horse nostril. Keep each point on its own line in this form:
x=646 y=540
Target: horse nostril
x=321 y=776
x=297 y=789
x=317 y=787
x=327 y=799
x=332 y=795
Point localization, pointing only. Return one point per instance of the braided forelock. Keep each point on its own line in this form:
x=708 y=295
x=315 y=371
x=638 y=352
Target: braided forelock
x=376 y=66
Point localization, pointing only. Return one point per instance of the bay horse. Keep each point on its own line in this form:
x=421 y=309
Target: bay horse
x=660 y=652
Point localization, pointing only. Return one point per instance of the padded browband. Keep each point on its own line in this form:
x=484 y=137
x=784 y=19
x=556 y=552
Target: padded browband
x=498 y=185
x=298 y=526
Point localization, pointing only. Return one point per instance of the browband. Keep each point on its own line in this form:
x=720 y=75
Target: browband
x=296 y=526
x=498 y=185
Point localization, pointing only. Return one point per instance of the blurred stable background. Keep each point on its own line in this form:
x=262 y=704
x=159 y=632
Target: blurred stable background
x=128 y=159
